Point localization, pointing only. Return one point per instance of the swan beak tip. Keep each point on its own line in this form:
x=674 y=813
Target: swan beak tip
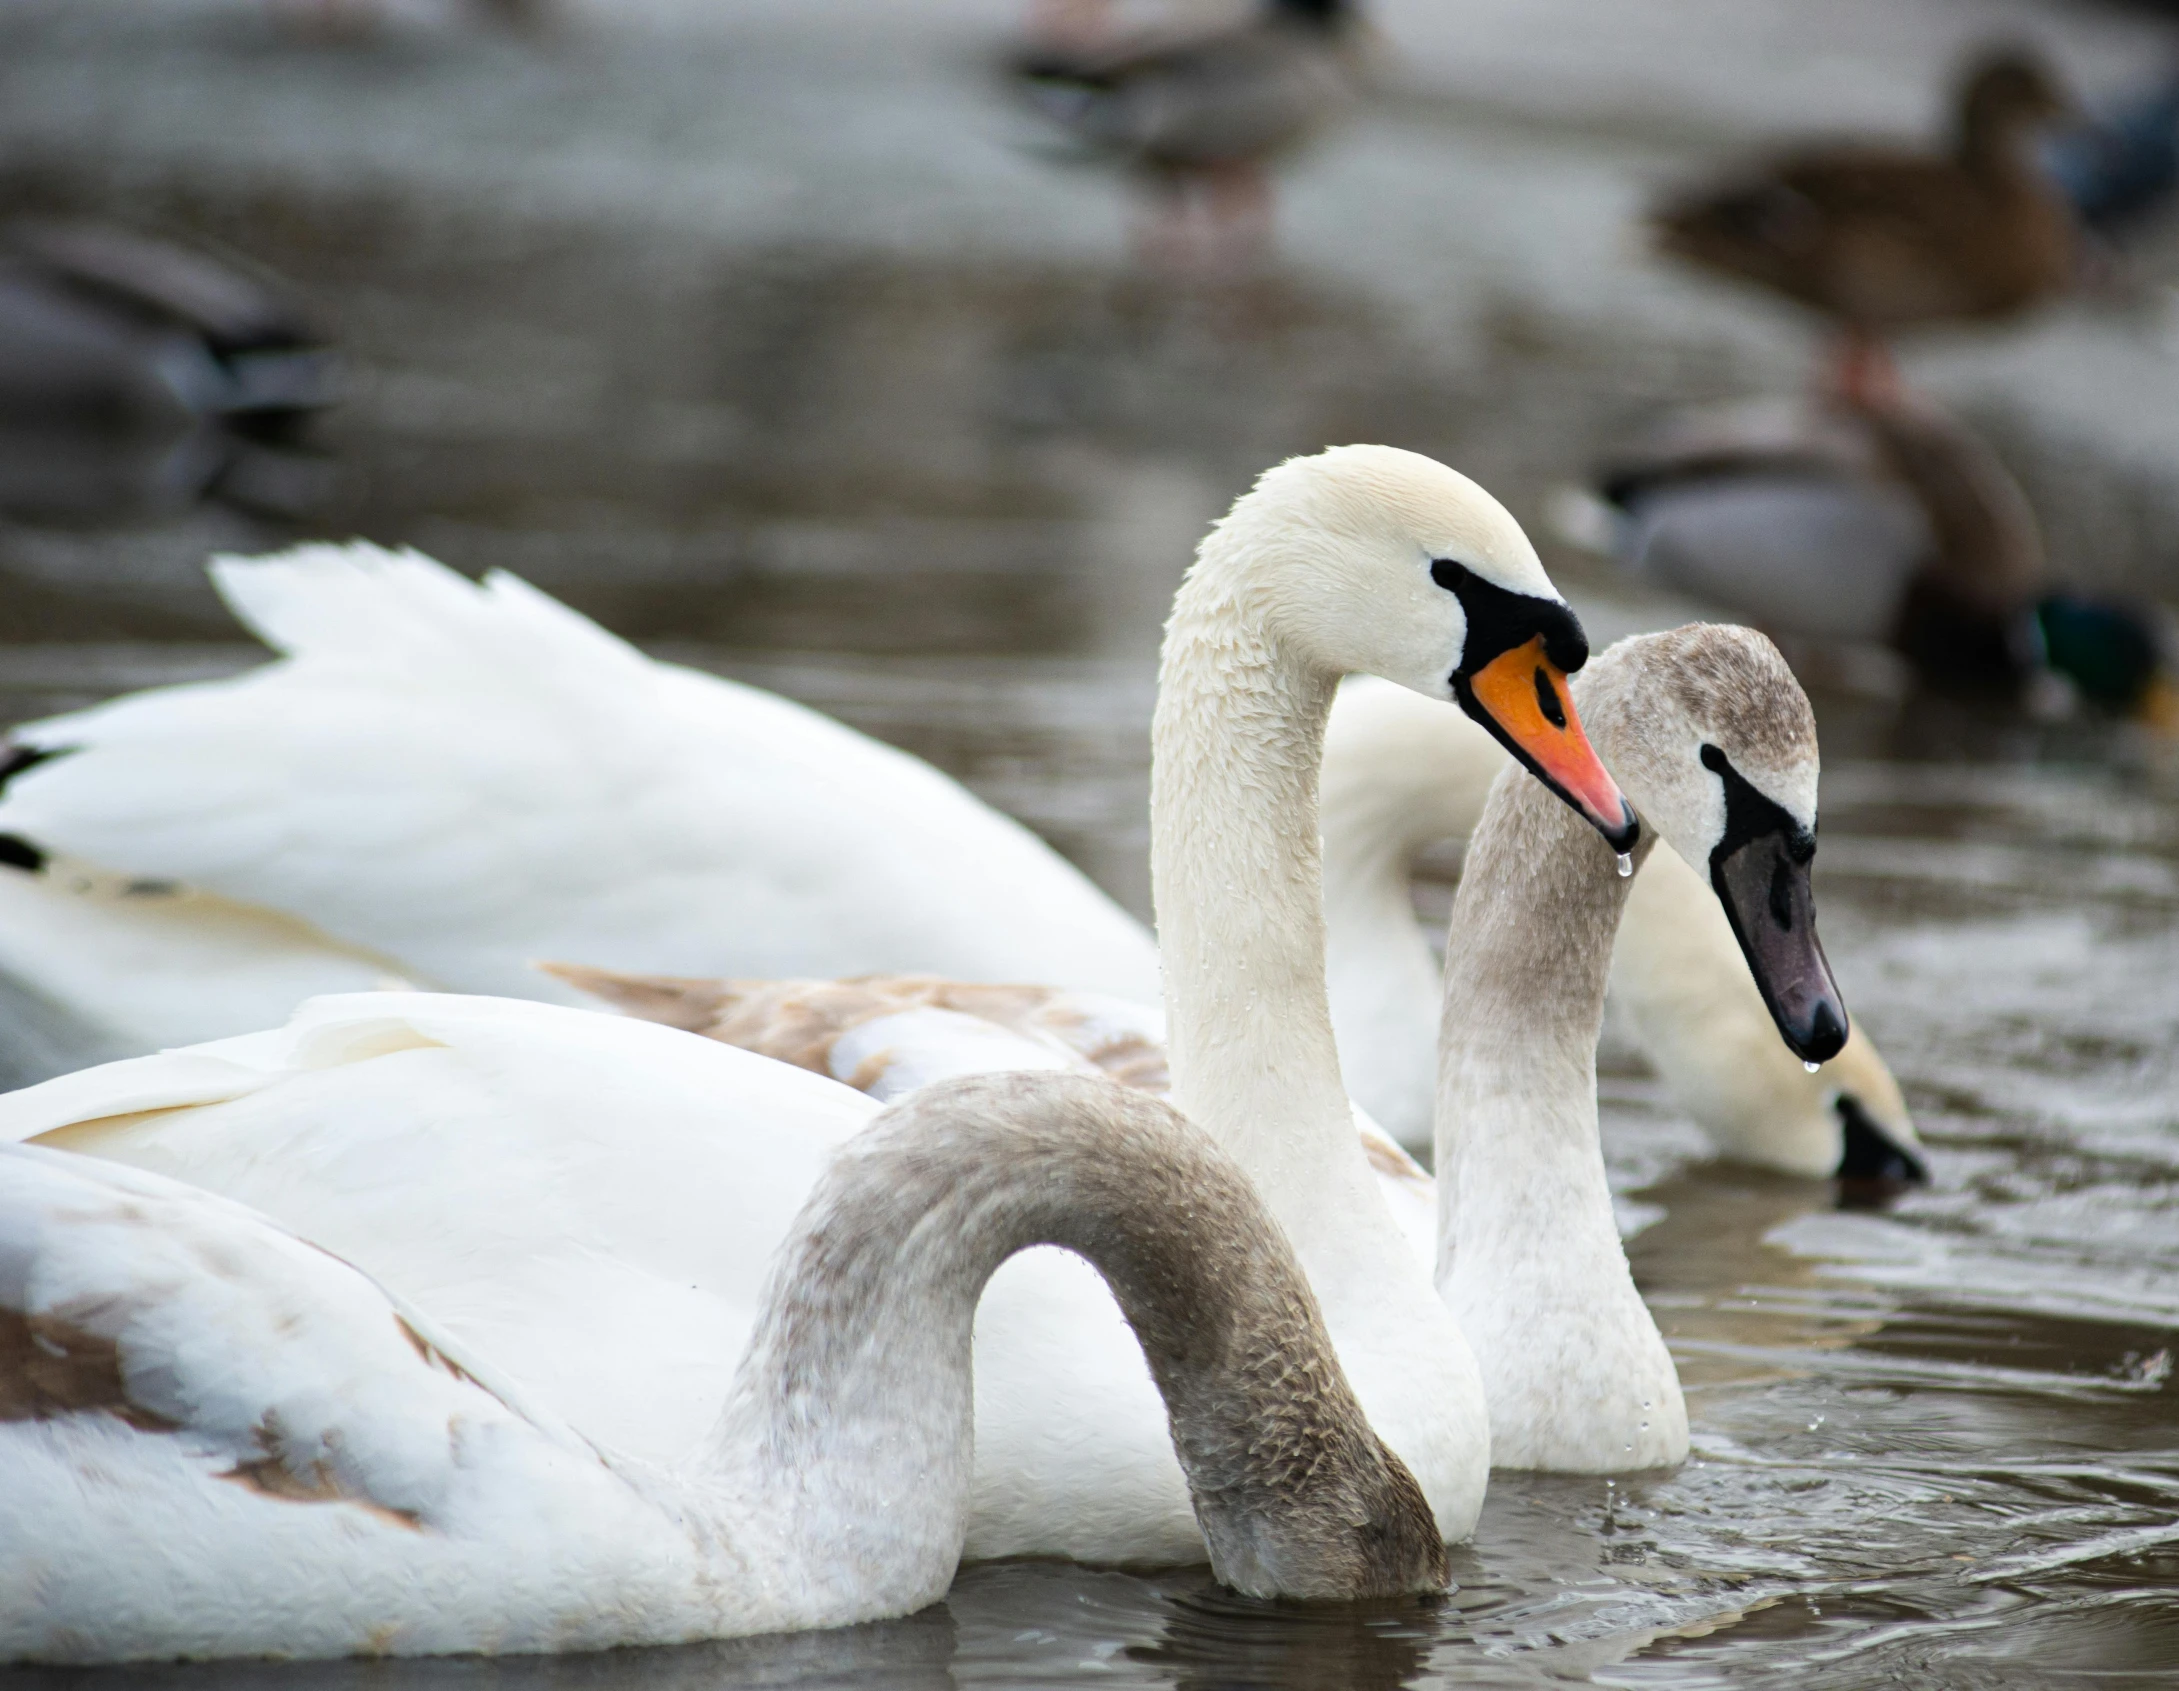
x=1522 y=698
x=1825 y=1035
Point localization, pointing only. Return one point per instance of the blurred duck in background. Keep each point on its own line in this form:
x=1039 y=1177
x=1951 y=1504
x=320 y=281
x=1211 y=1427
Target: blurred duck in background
x=138 y=377
x=1881 y=521
x=1881 y=238
x=1196 y=110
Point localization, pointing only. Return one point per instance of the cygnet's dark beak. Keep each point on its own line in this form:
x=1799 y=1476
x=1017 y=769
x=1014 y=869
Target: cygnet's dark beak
x=1761 y=874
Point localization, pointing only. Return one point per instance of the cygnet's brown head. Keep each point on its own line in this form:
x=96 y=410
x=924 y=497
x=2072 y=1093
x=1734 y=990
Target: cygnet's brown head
x=1715 y=742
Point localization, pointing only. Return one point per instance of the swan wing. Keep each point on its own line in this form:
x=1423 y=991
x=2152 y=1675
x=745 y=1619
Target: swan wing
x=589 y=1200
x=456 y=778
x=217 y=1440
x=888 y=1034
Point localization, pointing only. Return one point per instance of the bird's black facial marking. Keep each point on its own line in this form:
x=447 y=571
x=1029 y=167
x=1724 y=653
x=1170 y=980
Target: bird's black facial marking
x=1750 y=813
x=15 y=851
x=14 y=759
x=1759 y=870
x=1873 y=1166
x=1500 y=619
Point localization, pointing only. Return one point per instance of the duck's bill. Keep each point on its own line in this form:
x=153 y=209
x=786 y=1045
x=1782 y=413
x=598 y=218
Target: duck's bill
x=1521 y=696
x=1768 y=897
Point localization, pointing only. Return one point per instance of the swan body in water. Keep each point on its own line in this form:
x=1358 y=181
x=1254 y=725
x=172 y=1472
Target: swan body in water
x=442 y=781
x=1718 y=749
x=1361 y=558
x=220 y=1441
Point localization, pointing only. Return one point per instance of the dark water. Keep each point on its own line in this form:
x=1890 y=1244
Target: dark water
x=1934 y=1443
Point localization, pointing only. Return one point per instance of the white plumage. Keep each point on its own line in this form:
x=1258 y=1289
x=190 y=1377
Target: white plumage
x=447 y=781
x=217 y=1440
x=442 y=782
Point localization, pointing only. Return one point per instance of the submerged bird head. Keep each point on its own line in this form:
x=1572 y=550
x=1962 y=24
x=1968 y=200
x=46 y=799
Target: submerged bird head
x=1373 y=560
x=1717 y=744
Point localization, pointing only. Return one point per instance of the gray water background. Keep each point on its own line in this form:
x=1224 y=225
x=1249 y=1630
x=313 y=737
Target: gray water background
x=766 y=336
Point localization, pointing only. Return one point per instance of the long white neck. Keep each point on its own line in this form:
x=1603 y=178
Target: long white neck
x=1400 y=772
x=838 y=1477
x=1237 y=879
x=1529 y=1258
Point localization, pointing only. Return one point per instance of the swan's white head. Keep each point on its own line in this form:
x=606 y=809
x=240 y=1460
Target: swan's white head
x=1715 y=740
x=1371 y=559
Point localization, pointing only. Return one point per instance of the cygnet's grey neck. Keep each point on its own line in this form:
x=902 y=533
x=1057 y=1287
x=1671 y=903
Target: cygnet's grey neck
x=851 y=1421
x=1526 y=963
x=1530 y=1259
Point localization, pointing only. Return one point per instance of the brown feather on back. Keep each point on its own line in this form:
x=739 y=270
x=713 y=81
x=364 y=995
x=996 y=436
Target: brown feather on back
x=799 y=1021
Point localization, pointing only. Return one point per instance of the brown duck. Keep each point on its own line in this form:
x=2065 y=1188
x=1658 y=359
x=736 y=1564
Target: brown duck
x=1199 y=113
x=1882 y=238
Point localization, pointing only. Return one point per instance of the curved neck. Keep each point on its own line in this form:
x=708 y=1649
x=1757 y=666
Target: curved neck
x=847 y=1441
x=1520 y=1168
x=1237 y=881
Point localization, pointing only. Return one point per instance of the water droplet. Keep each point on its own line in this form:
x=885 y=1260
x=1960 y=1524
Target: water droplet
x=1626 y=864
x=1811 y=1067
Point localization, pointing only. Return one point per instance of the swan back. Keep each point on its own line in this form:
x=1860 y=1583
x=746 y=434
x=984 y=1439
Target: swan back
x=447 y=779
x=885 y=1034
x=216 y=1439
x=589 y=1200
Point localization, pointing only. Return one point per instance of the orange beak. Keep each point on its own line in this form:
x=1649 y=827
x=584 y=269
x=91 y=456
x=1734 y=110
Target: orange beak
x=1522 y=698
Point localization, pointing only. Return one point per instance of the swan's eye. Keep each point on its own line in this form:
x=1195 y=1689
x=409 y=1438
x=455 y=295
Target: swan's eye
x=1547 y=700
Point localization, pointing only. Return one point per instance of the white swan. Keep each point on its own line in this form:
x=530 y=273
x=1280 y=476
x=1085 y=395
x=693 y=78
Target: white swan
x=1359 y=558
x=1717 y=745
x=1401 y=775
x=443 y=781
x=216 y=1440
x=457 y=779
